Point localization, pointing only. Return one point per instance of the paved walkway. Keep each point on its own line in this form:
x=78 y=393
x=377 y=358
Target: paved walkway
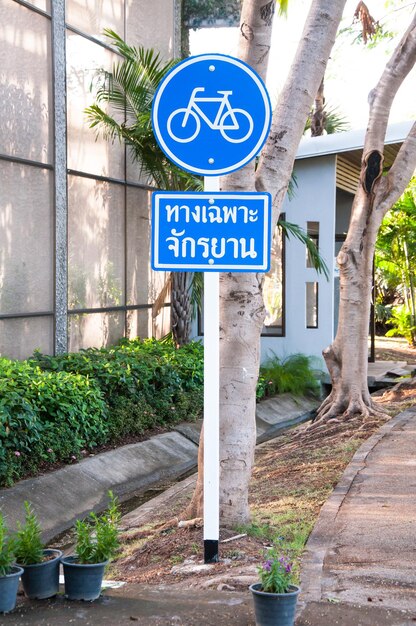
x=360 y=564
x=359 y=569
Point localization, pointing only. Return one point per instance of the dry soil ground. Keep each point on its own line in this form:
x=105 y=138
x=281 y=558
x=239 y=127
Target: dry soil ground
x=293 y=476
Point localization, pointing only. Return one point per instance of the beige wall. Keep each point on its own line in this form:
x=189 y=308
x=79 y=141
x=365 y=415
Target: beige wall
x=108 y=220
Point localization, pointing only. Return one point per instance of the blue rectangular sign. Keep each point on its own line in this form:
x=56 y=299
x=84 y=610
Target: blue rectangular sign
x=211 y=231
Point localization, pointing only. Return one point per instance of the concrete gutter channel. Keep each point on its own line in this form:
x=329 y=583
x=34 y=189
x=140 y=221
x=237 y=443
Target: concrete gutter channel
x=60 y=497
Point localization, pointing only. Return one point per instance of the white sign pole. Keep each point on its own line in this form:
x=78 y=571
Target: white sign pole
x=211 y=403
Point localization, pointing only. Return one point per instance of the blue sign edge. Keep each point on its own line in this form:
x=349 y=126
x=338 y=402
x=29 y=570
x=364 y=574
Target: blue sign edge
x=197 y=171
x=188 y=268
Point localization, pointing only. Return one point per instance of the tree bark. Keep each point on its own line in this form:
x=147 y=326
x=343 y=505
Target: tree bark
x=181 y=318
x=347 y=356
x=318 y=113
x=241 y=300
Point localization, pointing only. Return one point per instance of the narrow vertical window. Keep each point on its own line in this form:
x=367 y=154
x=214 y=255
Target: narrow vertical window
x=273 y=289
x=312 y=305
x=312 y=229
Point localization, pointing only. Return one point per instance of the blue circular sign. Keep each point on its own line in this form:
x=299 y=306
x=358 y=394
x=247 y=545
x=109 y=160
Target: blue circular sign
x=211 y=114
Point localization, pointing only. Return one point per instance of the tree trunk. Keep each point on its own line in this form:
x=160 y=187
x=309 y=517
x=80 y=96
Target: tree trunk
x=346 y=357
x=318 y=113
x=181 y=318
x=242 y=315
x=242 y=309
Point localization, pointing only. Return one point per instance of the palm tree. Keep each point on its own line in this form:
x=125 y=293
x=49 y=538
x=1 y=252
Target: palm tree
x=128 y=92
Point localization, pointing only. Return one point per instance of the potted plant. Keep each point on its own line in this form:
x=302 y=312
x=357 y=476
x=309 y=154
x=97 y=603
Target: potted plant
x=9 y=573
x=40 y=577
x=96 y=543
x=275 y=596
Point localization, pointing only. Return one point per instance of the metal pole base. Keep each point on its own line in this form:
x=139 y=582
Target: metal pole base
x=211 y=551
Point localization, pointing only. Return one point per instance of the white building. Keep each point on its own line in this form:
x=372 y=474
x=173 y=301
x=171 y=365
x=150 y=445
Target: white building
x=327 y=173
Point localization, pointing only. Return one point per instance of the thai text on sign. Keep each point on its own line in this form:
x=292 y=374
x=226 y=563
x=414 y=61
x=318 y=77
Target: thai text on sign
x=211 y=231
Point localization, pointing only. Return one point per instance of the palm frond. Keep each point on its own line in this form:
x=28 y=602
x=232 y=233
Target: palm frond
x=123 y=110
x=334 y=121
x=294 y=230
x=283 y=7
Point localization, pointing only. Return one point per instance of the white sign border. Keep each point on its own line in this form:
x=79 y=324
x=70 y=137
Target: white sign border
x=267 y=120
x=187 y=267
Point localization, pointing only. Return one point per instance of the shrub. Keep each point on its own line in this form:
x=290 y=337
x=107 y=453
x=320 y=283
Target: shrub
x=45 y=416
x=51 y=408
x=403 y=324
x=294 y=374
x=145 y=382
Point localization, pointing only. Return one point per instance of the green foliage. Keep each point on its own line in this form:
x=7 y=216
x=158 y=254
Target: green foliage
x=97 y=537
x=395 y=266
x=275 y=573
x=334 y=121
x=403 y=324
x=293 y=230
x=128 y=90
x=52 y=408
x=45 y=417
x=29 y=547
x=7 y=545
x=294 y=374
x=144 y=382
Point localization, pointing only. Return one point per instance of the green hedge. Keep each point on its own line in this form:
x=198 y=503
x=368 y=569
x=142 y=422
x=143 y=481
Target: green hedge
x=46 y=417
x=51 y=408
x=144 y=382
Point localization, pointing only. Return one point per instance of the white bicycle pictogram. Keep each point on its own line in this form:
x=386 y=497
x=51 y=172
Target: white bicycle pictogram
x=226 y=119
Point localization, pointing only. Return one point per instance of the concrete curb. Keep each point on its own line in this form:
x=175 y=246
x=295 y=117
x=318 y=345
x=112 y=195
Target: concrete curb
x=324 y=530
x=61 y=497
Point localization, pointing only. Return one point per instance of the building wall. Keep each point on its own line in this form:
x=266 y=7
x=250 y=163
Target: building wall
x=314 y=201
x=74 y=212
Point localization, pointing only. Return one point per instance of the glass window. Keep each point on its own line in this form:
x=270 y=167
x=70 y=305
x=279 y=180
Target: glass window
x=26 y=239
x=25 y=83
x=85 y=152
x=93 y=16
x=312 y=305
x=95 y=244
x=312 y=229
x=19 y=337
x=273 y=288
x=100 y=330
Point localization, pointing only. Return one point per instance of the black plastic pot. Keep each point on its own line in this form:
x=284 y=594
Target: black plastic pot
x=274 y=609
x=82 y=581
x=8 y=589
x=41 y=580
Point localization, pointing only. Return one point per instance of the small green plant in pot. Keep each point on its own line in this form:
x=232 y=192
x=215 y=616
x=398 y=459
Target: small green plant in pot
x=97 y=541
x=9 y=573
x=40 y=577
x=275 y=596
